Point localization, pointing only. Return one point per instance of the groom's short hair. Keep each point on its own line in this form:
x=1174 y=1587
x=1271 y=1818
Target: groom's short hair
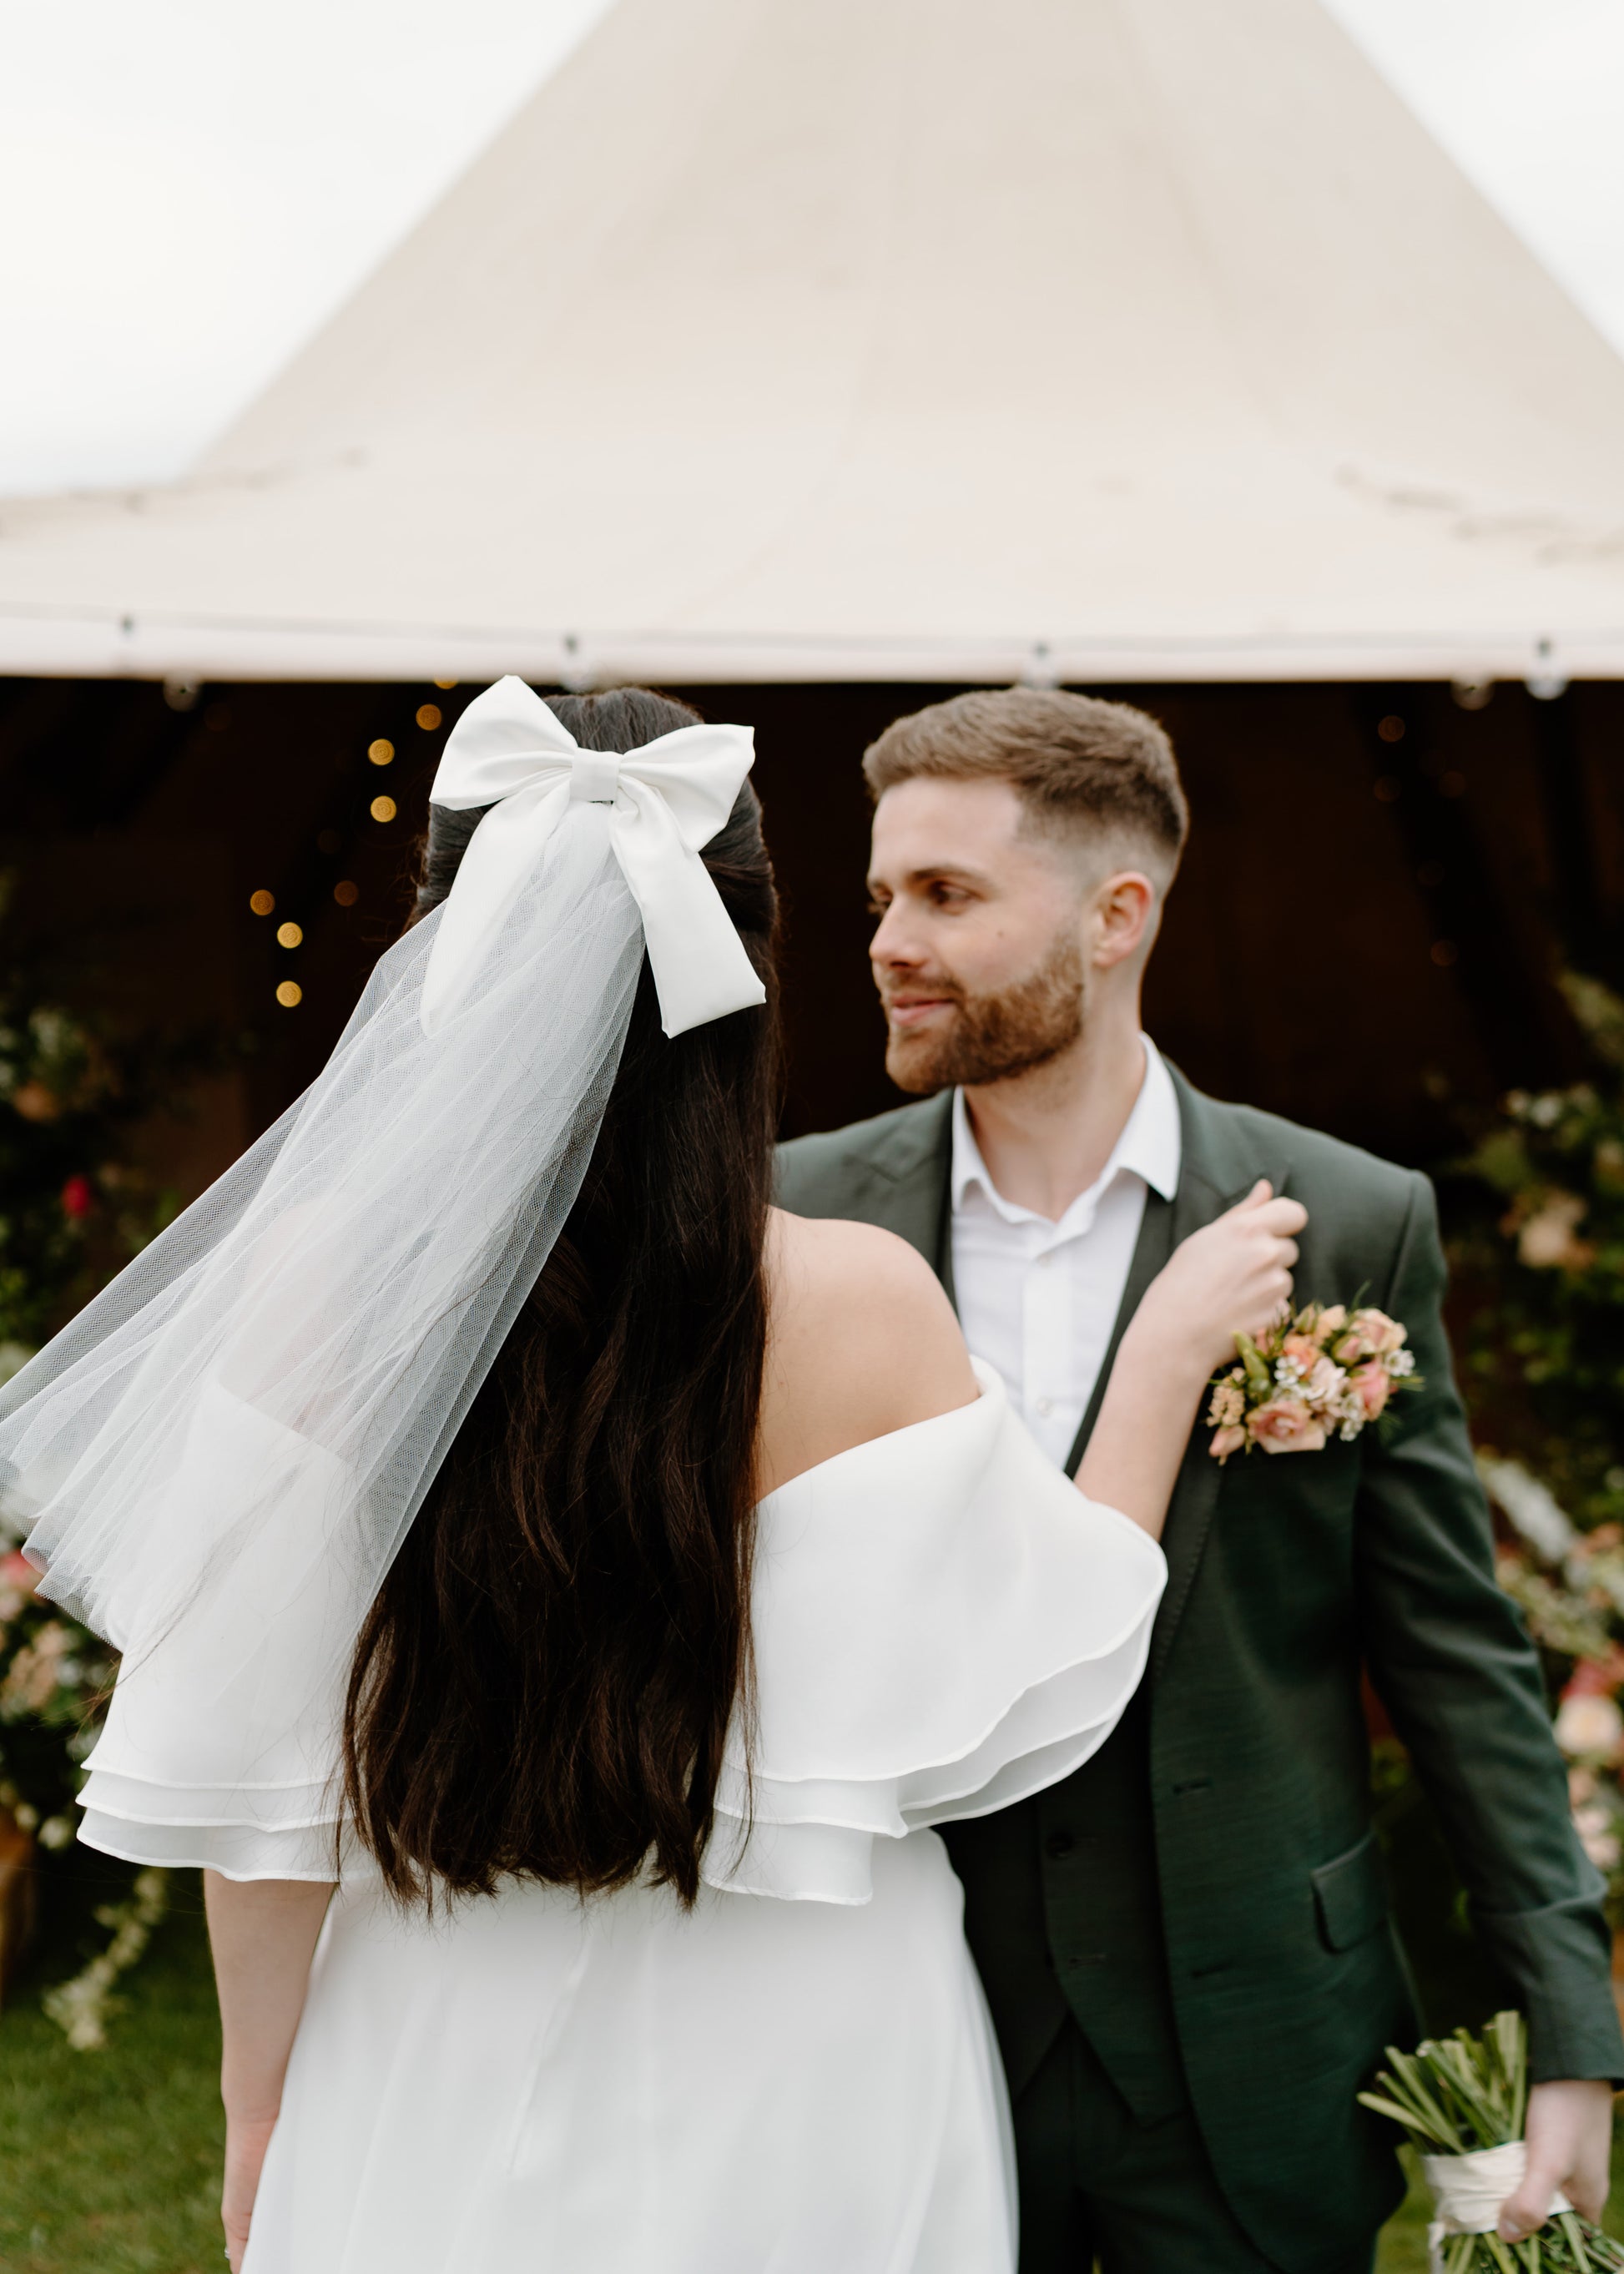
x=1083 y=766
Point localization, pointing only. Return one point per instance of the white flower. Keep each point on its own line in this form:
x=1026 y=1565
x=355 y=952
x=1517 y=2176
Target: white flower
x=1288 y=1371
x=1587 y=1726
x=1400 y=1362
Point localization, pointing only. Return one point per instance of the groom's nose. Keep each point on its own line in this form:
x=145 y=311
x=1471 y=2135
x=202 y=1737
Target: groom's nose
x=892 y=944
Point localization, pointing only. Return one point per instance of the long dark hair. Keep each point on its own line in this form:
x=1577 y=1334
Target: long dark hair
x=544 y=1682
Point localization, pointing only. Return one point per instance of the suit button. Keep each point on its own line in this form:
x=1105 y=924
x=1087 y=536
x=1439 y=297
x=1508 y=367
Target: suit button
x=1059 y=1844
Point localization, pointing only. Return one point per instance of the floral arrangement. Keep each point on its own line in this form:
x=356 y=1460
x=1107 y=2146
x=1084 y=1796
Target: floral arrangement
x=1464 y=2100
x=1569 y=1586
x=1324 y=1372
x=1538 y=1250
x=73 y=1210
x=1537 y=1213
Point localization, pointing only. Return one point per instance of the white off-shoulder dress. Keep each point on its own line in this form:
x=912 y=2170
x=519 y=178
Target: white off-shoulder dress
x=797 y=2077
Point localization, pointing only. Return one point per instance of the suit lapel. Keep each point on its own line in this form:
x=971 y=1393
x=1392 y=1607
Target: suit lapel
x=905 y=1182
x=1155 y=1243
x=908 y=1191
x=1213 y=1173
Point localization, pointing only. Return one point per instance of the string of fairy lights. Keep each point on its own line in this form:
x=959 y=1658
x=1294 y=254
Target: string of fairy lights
x=381 y=810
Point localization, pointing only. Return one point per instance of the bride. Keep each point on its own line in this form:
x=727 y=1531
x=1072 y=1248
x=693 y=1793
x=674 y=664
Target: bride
x=559 y=1592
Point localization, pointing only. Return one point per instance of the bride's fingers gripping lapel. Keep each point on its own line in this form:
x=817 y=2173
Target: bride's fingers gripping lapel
x=1231 y=1277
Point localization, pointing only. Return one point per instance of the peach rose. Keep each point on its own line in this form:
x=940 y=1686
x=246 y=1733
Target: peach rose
x=1226 y=1441
x=1305 y=1353
x=1330 y=1322
x=1371 y=1334
x=1374 y=1385
x=1286 y=1425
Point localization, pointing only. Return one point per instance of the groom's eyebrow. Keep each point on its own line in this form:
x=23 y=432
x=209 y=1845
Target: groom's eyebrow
x=957 y=872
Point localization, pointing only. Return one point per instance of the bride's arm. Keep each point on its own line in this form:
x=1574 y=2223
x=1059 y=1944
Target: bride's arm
x=263 y=1934
x=1234 y=1273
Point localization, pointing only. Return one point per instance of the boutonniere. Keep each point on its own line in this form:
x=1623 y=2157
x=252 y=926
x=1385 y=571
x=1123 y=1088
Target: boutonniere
x=1317 y=1373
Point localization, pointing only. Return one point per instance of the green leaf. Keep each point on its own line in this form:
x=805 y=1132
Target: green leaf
x=1390 y=2108
x=1258 y=1375
x=1570 y=2225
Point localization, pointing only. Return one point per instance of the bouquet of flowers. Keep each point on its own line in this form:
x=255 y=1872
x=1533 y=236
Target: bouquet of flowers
x=1319 y=1372
x=1464 y=2100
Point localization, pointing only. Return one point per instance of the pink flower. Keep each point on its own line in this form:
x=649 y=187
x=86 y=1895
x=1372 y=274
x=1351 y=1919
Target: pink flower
x=1226 y=1441
x=1228 y=1405
x=1374 y=1385
x=1286 y=1425
x=1330 y=1322
x=18 y=1581
x=1592 y=1678
x=78 y=1199
x=1371 y=1334
x=1305 y=1353
x=16 y=1571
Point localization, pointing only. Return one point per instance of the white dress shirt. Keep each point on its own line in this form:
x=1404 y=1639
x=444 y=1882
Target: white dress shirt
x=1037 y=1300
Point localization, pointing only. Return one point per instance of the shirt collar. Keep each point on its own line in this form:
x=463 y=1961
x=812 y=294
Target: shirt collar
x=1150 y=1146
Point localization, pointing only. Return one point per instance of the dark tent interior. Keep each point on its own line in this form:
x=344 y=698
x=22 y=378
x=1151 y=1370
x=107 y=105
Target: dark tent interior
x=1381 y=881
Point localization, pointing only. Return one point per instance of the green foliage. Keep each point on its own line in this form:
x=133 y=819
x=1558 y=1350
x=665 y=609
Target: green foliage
x=1540 y=1286
x=1542 y=1276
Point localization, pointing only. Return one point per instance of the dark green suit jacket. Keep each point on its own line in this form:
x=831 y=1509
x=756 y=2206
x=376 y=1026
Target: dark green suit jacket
x=1206 y=1897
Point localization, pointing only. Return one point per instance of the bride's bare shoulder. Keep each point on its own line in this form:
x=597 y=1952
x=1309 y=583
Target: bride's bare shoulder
x=862 y=1341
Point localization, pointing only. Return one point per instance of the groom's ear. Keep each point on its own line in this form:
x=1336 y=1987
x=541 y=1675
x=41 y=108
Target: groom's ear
x=1124 y=917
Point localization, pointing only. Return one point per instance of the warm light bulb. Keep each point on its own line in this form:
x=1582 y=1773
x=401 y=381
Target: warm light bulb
x=380 y=752
x=346 y=893
x=289 y=993
x=288 y=935
x=262 y=902
x=382 y=808
x=444 y=685
x=428 y=717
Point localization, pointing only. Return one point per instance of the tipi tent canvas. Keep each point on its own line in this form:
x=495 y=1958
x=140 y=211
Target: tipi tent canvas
x=903 y=339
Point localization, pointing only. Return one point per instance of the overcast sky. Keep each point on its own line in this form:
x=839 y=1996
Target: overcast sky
x=189 y=188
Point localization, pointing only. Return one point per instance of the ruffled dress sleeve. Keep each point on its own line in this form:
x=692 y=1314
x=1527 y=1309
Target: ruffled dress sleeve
x=222 y=1744
x=942 y=1625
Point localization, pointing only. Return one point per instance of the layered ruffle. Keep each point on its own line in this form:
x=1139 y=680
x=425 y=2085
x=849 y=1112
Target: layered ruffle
x=942 y=1624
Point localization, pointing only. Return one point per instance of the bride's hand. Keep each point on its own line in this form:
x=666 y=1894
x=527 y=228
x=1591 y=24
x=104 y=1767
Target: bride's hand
x=1232 y=1275
x=246 y=2141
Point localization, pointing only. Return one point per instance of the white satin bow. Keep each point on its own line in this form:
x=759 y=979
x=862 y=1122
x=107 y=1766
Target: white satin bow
x=665 y=801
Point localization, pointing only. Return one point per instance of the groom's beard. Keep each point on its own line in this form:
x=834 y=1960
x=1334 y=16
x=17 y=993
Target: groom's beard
x=993 y=1037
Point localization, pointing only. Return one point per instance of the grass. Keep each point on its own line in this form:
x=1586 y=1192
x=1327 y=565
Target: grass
x=110 y=2161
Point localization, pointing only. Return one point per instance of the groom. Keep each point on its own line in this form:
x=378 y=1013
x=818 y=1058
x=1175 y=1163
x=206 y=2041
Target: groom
x=1185 y=1944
